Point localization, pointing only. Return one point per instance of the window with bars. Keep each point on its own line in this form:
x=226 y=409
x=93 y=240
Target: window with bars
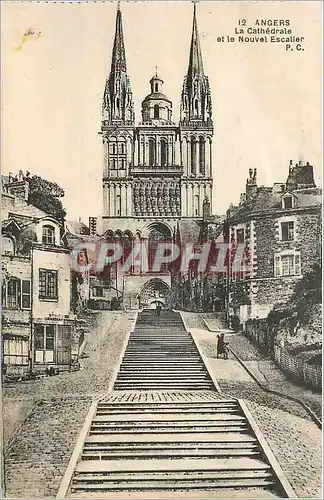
x=287 y=231
x=48 y=235
x=48 y=284
x=44 y=343
x=287 y=265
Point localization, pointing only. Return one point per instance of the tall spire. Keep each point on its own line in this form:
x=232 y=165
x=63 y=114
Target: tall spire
x=118 y=105
x=195 y=99
x=118 y=61
x=195 y=58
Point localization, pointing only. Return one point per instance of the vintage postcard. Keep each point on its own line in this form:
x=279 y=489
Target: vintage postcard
x=161 y=321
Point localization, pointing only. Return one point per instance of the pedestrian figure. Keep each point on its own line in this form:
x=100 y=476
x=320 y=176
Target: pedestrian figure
x=222 y=346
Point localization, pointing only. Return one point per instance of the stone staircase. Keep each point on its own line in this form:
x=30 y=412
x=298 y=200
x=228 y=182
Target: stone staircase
x=168 y=446
x=161 y=355
x=166 y=432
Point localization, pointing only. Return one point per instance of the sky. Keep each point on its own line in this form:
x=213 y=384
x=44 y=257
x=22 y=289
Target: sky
x=267 y=102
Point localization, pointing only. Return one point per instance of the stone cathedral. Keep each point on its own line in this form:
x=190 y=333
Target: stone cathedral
x=157 y=174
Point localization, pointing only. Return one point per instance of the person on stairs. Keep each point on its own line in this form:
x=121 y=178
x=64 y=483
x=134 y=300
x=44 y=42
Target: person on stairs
x=222 y=346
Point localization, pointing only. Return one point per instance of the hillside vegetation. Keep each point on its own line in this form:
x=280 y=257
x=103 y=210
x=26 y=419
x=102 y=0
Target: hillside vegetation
x=299 y=320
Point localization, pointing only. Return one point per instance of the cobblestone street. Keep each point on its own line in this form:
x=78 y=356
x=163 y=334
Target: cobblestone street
x=287 y=427
x=43 y=418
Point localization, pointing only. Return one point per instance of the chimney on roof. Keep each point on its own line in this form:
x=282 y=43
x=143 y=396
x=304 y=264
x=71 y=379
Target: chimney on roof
x=300 y=176
x=251 y=184
x=242 y=198
x=18 y=186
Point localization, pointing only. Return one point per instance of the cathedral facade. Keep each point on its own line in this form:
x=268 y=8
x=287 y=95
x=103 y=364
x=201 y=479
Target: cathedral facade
x=157 y=173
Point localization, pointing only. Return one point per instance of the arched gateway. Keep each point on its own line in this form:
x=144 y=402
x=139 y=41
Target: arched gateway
x=154 y=291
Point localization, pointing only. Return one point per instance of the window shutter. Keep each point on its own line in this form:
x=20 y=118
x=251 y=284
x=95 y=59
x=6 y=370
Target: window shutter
x=25 y=294
x=4 y=295
x=18 y=293
x=63 y=354
x=277 y=266
x=297 y=264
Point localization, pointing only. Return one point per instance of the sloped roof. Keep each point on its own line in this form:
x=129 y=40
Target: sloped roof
x=77 y=227
x=5 y=225
x=266 y=199
x=157 y=96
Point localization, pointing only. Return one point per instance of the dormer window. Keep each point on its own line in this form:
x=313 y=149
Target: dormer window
x=288 y=202
x=48 y=235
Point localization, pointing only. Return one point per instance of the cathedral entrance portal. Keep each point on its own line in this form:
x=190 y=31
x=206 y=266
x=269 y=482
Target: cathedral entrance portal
x=153 y=292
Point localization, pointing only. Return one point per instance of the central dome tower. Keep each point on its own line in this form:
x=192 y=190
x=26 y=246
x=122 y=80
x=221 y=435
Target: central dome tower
x=156 y=107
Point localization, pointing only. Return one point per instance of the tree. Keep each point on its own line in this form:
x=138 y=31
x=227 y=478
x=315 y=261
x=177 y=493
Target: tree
x=44 y=195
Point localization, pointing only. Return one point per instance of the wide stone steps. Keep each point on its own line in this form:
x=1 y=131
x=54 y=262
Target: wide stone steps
x=161 y=355
x=165 y=430
x=171 y=446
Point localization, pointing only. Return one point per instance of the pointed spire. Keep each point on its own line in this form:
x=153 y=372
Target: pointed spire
x=195 y=58
x=118 y=62
x=118 y=107
x=195 y=98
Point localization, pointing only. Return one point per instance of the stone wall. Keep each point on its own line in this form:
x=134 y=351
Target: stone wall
x=265 y=243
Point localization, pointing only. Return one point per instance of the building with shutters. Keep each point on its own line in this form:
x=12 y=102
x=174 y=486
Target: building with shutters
x=158 y=172
x=280 y=227
x=37 y=325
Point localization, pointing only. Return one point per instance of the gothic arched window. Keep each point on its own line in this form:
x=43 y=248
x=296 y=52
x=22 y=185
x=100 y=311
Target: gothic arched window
x=202 y=155
x=118 y=205
x=193 y=155
x=196 y=206
x=164 y=152
x=156 y=111
x=151 y=152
